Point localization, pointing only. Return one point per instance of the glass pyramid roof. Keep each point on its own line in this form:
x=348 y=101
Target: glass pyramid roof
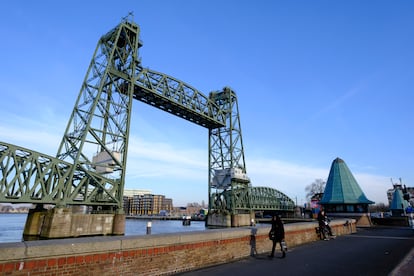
x=342 y=187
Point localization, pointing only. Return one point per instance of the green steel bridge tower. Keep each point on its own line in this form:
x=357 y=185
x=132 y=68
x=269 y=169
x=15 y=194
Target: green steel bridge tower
x=90 y=166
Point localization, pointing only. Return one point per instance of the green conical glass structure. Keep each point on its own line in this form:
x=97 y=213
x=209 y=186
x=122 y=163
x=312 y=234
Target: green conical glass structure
x=342 y=192
x=398 y=202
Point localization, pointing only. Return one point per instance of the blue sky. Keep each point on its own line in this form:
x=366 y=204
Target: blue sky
x=315 y=80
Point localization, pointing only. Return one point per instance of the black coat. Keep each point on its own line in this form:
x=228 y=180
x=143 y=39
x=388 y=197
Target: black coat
x=322 y=219
x=278 y=229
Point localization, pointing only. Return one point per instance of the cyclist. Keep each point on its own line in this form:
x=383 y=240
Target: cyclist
x=324 y=225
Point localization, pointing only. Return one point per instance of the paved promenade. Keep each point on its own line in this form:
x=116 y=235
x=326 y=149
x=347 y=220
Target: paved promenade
x=371 y=251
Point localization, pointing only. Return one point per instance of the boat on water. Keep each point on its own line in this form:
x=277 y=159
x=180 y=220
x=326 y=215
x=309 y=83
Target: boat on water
x=186 y=220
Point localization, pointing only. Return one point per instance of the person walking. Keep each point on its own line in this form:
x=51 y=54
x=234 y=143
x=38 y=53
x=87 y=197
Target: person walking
x=277 y=235
x=253 y=233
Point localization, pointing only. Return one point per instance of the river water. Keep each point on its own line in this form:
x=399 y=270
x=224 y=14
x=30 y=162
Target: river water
x=12 y=225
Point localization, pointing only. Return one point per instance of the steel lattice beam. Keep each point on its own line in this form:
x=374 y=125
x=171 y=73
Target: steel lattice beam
x=266 y=198
x=178 y=98
x=27 y=176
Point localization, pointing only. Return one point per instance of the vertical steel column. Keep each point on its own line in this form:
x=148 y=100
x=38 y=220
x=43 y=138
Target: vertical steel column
x=228 y=182
x=96 y=137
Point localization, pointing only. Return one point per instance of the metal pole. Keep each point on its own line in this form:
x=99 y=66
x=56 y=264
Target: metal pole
x=149 y=225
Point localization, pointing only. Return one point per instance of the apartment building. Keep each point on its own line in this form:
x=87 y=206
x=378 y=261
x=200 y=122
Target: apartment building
x=141 y=202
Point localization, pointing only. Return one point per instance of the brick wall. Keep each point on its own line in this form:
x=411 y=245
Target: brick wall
x=147 y=255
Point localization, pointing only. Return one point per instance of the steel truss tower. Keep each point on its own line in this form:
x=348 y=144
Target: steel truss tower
x=96 y=137
x=228 y=181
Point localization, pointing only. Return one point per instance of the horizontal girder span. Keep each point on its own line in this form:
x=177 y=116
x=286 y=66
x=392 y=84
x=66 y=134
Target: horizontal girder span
x=27 y=176
x=178 y=98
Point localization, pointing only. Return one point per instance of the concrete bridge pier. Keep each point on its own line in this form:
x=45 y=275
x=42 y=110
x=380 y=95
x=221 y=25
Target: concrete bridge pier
x=119 y=224
x=65 y=222
x=34 y=222
x=227 y=220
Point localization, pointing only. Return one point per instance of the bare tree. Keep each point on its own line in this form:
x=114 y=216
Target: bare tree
x=380 y=207
x=316 y=187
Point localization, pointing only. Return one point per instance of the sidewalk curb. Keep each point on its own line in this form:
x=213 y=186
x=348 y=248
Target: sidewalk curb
x=406 y=267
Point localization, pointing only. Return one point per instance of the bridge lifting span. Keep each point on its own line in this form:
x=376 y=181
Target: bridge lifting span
x=90 y=165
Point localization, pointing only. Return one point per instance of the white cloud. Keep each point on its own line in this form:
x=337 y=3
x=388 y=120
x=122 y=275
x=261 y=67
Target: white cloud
x=164 y=162
x=337 y=102
x=374 y=186
x=292 y=179
x=32 y=136
x=155 y=159
x=286 y=177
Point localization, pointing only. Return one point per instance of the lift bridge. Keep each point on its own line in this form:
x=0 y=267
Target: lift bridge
x=90 y=165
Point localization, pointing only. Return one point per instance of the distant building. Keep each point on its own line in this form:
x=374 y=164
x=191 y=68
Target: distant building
x=342 y=192
x=132 y=192
x=129 y=198
x=315 y=204
x=143 y=202
x=14 y=208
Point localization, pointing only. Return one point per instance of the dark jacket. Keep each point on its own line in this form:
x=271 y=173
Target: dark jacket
x=278 y=229
x=322 y=218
